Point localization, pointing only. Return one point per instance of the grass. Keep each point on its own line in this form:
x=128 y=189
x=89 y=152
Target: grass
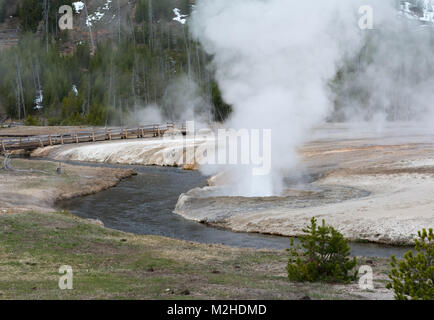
x=109 y=264
x=24 y=164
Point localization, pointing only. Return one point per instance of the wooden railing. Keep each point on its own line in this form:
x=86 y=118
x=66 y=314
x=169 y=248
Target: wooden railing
x=34 y=142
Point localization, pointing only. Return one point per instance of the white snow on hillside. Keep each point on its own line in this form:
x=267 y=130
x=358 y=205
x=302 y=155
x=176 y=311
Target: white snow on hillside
x=38 y=100
x=181 y=18
x=421 y=11
x=75 y=90
x=78 y=6
x=98 y=14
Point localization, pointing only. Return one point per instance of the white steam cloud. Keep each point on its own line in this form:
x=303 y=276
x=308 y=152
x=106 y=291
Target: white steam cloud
x=182 y=101
x=391 y=77
x=273 y=61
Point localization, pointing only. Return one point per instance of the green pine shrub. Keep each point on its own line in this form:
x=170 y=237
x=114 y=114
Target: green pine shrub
x=30 y=13
x=31 y=121
x=323 y=255
x=413 y=277
x=222 y=110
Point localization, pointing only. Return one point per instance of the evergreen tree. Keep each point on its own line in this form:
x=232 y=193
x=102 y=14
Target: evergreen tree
x=30 y=13
x=2 y=10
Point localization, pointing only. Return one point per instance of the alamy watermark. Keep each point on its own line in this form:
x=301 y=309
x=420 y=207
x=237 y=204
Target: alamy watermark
x=66 y=21
x=366 y=280
x=366 y=21
x=66 y=280
x=245 y=147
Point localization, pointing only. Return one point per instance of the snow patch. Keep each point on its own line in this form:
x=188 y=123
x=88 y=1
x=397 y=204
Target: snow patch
x=38 y=100
x=98 y=14
x=181 y=18
x=75 y=90
x=78 y=6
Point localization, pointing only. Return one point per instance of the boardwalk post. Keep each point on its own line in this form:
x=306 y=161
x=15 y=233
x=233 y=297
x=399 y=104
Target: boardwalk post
x=76 y=137
x=61 y=138
x=109 y=134
x=49 y=140
x=143 y=133
x=126 y=133
x=40 y=142
x=93 y=136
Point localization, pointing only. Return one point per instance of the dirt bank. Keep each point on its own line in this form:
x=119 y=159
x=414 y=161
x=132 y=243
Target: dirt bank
x=157 y=151
x=35 y=185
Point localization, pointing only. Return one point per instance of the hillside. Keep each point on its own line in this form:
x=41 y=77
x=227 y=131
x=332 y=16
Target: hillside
x=107 y=19
x=120 y=57
x=419 y=10
x=126 y=60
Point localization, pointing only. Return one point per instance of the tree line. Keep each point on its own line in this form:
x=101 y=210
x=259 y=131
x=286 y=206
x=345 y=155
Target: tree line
x=42 y=84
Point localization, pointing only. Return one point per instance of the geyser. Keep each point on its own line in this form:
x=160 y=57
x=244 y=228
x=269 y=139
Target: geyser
x=273 y=61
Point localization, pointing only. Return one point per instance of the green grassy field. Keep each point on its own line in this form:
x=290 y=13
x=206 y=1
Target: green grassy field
x=109 y=264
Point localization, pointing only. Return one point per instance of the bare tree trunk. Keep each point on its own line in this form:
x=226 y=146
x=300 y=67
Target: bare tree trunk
x=119 y=23
x=133 y=88
x=187 y=50
x=46 y=14
x=88 y=95
x=151 y=32
x=20 y=89
x=90 y=28
x=7 y=162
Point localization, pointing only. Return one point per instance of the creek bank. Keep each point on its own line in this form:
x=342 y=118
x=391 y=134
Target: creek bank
x=373 y=185
x=35 y=185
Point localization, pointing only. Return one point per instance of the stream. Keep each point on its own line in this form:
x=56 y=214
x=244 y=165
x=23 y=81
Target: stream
x=144 y=205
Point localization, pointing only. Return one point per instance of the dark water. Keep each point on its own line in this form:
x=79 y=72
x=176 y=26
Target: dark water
x=143 y=205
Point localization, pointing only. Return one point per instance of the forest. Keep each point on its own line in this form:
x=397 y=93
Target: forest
x=148 y=59
x=103 y=83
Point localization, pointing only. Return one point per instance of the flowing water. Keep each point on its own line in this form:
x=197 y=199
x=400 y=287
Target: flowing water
x=144 y=203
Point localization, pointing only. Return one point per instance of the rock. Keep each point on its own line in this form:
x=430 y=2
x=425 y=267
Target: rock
x=96 y=222
x=191 y=167
x=185 y=292
x=59 y=168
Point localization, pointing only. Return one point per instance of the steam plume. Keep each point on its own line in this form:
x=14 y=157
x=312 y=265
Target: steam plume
x=273 y=60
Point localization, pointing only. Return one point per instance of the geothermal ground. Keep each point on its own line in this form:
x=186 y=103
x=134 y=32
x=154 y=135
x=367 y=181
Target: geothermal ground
x=371 y=183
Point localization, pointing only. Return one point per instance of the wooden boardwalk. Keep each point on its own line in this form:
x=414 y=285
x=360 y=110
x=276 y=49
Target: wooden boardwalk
x=34 y=142
x=8 y=38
